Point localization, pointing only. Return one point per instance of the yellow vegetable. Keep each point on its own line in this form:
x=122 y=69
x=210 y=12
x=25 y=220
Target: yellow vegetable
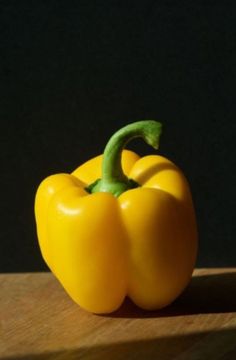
x=130 y=233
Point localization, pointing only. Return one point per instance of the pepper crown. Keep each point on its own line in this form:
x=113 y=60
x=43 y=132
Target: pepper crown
x=113 y=178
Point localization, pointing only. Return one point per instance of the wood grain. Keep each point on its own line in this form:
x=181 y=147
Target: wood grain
x=39 y=321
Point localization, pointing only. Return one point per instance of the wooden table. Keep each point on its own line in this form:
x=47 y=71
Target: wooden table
x=39 y=321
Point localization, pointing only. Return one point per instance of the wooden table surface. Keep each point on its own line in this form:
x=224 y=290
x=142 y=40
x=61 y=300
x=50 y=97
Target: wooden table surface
x=39 y=321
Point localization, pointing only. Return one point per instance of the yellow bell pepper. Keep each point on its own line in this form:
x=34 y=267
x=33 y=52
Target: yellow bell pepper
x=131 y=233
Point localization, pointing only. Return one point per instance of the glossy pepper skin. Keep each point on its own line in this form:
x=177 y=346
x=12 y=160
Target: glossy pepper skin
x=104 y=246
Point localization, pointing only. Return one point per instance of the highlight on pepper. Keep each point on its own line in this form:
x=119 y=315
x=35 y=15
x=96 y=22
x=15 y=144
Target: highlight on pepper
x=119 y=226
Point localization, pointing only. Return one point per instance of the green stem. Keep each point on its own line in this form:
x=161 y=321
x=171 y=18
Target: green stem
x=113 y=178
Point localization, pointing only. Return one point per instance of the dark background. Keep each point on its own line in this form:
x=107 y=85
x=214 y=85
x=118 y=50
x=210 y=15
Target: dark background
x=73 y=72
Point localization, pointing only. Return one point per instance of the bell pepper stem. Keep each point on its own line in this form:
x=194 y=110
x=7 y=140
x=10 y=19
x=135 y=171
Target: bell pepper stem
x=113 y=178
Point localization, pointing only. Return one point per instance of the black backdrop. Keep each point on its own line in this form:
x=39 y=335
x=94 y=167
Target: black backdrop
x=73 y=72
